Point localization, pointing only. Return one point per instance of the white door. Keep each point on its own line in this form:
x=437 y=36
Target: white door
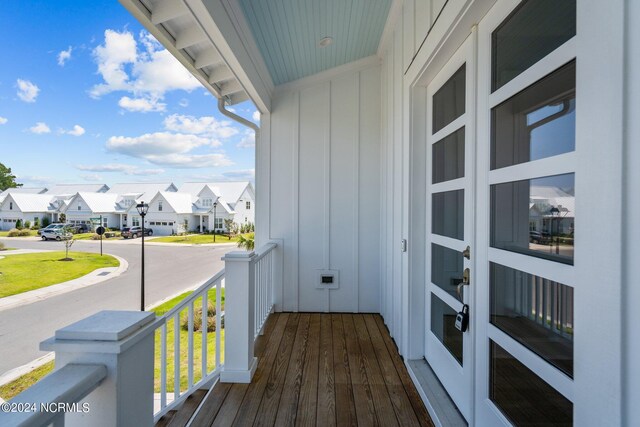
x=450 y=230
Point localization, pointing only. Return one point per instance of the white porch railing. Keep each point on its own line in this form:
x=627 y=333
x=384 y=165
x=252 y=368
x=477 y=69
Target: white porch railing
x=263 y=285
x=116 y=362
x=193 y=310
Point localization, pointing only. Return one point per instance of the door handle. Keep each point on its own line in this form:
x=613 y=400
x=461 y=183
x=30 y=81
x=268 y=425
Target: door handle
x=466 y=274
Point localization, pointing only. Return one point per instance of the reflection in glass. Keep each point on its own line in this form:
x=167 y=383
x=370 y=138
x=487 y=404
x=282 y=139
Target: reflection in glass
x=534 y=29
x=536 y=123
x=535 y=311
x=523 y=396
x=447 y=214
x=448 y=101
x=448 y=157
x=443 y=321
x=446 y=269
x=535 y=217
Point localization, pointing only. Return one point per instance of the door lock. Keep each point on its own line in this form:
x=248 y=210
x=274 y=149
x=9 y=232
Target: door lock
x=465 y=281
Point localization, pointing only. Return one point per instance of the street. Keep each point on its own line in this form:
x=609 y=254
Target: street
x=169 y=270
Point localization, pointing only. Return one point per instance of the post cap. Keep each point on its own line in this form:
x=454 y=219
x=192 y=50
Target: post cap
x=107 y=325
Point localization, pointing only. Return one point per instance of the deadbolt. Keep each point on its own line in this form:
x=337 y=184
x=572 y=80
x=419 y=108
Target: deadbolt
x=467 y=252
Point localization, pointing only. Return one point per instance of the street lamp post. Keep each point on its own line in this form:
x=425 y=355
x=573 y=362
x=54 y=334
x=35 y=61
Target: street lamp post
x=215 y=205
x=142 y=208
x=555 y=214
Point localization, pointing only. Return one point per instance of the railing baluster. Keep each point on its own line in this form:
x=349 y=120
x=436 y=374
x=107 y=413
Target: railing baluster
x=190 y=344
x=205 y=330
x=163 y=365
x=176 y=355
x=218 y=320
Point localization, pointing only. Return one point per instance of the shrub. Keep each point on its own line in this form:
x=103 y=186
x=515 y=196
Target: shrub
x=45 y=221
x=14 y=232
x=95 y=236
x=197 y=319
x=1 y=246
x=247 y=241
x=27 y=224
x=36 y=223
x=19 y=224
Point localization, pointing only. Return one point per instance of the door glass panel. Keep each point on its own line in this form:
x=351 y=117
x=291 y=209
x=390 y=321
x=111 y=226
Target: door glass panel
x=523 y=397
x=443 y=321
x=447 y=216
x=448 y=157
x=535 y=29
x=446 y=269
x=449 y=100
x=536 y=123
x=535 y=217
x=536 y=312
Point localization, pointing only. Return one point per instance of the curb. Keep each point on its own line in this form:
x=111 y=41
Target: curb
x=16 y=373
x=93 y=278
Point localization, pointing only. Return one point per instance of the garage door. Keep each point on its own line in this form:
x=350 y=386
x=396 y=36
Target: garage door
x=162 y=228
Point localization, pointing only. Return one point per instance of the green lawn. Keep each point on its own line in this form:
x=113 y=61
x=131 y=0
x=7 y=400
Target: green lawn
x=21 y=273
x=196 y=239
x=20 y=384
x=184 y=339
x=31 y=233
x=17 y=386
x=89 y=236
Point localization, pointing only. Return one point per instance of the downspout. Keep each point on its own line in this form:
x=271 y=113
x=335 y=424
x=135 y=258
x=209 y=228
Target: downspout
x=237 y=118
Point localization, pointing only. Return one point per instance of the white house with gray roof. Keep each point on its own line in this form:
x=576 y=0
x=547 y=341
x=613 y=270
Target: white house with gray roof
x=234 y=200
x=24 y=207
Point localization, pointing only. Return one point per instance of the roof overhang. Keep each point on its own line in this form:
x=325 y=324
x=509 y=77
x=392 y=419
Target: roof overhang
x=203 y=36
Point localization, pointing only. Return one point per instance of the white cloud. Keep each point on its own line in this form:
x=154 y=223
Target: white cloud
x=40 y=128
x=76 y=131
x=169 y=149
x=64 y=56
x=92 y=177
x=256 y=116
x=248 y=141
x=3 y=120
x=35 y=180
x=206 y=125
x=183 y=103
x=147 y=71
x=241 y=175
x=142 y=105
x=119 y=167
x=27 y=91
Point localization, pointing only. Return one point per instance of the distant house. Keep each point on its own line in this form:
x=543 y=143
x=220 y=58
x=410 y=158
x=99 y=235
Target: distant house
x=27 y=190
x=170 y=213
x=72 y=189
x=132 y=193
x=235 y=200
x=24 y=207
x=84 y=206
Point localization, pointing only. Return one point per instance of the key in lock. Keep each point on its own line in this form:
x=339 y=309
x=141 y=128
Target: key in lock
x=462 y=319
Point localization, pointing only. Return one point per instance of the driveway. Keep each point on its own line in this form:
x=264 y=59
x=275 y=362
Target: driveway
x=169 y=270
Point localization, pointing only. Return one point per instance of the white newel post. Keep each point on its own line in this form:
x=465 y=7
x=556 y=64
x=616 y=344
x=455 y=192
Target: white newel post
x=123 y=342
x=239 y=362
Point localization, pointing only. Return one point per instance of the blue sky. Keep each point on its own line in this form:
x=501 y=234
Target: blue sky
x=87 y=95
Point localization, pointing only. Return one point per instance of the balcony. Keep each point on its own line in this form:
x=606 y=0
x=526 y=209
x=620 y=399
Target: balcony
x=252 y=365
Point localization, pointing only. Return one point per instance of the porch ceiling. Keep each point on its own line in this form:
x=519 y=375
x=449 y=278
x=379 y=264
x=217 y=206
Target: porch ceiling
x=287 y=33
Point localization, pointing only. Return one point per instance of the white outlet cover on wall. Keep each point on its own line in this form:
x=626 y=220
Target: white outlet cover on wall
x=333 y=274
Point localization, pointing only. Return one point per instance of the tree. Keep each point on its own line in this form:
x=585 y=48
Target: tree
x=246 y=241
x=19 y=224
x=68 y=242
x=7 y=179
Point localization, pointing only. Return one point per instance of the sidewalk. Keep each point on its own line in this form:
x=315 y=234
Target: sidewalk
x=93 y=278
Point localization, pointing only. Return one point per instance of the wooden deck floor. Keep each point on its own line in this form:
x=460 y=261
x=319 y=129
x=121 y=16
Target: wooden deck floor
x=317 y=370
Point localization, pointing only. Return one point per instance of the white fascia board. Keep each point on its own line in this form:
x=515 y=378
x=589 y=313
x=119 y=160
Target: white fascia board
x=220 y=20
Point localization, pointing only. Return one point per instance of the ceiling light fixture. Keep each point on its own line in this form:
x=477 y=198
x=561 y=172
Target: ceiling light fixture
x=325 y=41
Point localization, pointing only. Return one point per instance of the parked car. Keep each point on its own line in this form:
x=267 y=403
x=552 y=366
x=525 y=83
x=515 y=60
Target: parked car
x=50 y=227
x=541 y=238
x=135 y=232
x=78 y=228
x=58 y=233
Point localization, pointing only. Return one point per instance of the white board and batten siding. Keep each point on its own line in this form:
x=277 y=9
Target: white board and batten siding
x=325 y=147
